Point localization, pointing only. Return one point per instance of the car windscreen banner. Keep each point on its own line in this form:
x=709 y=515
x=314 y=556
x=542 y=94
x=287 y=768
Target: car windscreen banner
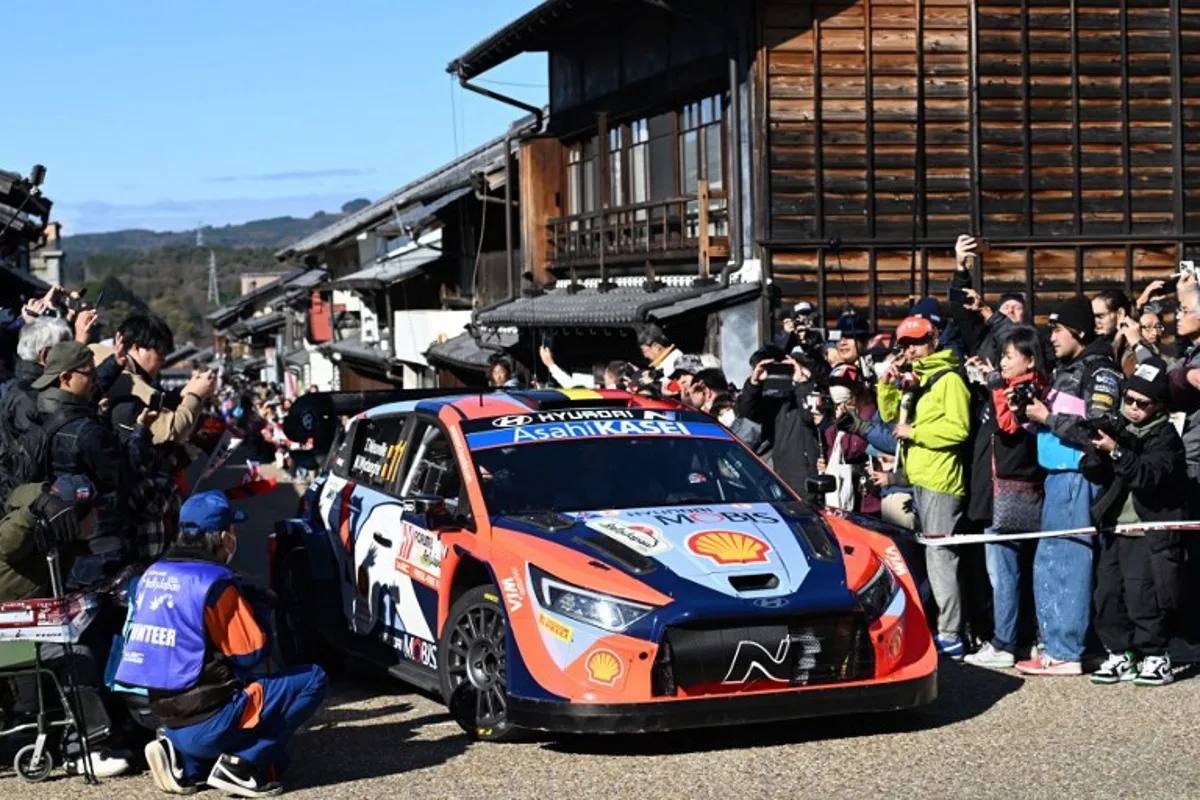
x=549 y=426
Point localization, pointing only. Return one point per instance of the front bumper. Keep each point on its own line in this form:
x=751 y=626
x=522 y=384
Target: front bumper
x=668 y=715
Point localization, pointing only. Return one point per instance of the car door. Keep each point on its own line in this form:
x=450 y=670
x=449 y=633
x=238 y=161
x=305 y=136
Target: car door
x=430 y=470
x=365 y=516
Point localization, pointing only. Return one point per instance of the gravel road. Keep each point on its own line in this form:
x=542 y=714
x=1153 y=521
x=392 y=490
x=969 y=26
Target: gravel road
x=989 y=734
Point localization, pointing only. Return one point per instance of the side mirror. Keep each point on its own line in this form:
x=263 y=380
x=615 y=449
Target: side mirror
x=433 y=508
x=820 y=485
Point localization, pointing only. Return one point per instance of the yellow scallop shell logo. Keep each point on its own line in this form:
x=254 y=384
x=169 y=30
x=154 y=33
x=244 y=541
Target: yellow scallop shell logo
x=729 y=547
x=604 y=667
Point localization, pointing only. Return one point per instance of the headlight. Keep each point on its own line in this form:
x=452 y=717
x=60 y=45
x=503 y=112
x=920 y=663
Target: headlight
x=877 y=595
x=610 y=613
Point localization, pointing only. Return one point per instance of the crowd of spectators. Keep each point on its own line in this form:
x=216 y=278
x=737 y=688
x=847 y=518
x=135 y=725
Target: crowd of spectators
x=968 y=418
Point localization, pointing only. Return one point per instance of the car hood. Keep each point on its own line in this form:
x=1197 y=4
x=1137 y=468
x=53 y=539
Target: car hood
x=749 y=551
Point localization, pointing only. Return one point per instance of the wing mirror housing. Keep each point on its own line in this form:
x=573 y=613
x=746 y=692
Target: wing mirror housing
x=437 y=515
x=820 y=485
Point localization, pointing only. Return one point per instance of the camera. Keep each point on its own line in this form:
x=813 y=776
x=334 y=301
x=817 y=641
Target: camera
x=1186 y=269
x=1022 y=395
x=907 y=381
x=1109 y=427
x=777 y=380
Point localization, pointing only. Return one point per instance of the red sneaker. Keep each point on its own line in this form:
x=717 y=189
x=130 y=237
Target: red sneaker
x=1045 y=665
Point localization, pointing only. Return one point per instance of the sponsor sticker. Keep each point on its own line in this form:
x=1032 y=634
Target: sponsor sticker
x=705 y=516
x=604 y=667
x=558 y=630
x=418 y=651
x=637 y=536
x=592 y=429
x=729 y=548
x=895 y=561
x=572 y=415
x=513 y=589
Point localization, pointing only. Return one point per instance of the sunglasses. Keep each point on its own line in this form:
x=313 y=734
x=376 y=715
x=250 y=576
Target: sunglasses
x=1141 y=404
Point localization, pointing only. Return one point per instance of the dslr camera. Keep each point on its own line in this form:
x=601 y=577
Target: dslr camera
x=1022 y=395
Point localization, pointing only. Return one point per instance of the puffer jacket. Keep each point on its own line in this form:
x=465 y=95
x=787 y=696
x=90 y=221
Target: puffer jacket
x=24 y=573
x=86 y=446
x=933 y=455
x=18 y=405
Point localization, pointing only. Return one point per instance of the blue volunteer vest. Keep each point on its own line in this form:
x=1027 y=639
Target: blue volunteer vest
x=165 y=642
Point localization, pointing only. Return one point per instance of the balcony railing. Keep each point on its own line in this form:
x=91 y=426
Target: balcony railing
x=674 y=228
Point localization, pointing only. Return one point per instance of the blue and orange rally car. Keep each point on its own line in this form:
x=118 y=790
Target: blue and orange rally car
x=587 y=561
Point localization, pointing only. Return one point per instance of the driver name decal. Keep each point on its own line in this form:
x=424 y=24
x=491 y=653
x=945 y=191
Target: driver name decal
x=637 y=536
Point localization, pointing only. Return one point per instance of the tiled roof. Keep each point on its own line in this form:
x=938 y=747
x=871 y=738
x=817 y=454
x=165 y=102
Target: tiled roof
x=620 y=307
x=465 y=352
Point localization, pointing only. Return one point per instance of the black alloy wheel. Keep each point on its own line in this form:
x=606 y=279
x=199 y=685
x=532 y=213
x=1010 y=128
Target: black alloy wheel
x=472 y=665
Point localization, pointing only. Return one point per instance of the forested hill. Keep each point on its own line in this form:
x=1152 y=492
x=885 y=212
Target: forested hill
x=165 y=273
x=270 y=234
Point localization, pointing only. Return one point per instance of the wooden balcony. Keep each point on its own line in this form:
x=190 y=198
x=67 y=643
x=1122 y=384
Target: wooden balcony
x=691 y=228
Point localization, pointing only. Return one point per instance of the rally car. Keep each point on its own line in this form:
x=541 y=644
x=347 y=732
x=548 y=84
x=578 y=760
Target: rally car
x=587 y=561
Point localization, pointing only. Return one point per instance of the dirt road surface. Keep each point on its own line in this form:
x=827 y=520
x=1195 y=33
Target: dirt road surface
x=989 y=735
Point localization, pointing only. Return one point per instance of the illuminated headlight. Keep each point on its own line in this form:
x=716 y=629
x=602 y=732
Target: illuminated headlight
x=876 y=596
x=610 y=613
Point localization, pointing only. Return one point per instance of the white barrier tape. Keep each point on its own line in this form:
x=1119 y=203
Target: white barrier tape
x=993 y=538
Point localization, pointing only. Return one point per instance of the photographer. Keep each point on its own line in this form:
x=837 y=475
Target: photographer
x=797 y=327
x=18 y=404
x=1085 y=393
x=1014 y=489
x=1112 y=311
x=1141 y=338
x=658 y=350
x=1139 y=574
x=851 y=397
x=931 y=457
x=778 y=397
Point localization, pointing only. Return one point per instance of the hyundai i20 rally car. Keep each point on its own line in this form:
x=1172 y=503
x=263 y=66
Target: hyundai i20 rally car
x=588 y=561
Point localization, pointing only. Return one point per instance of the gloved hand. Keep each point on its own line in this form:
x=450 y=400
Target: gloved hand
x=849 y=422
x=57 y=524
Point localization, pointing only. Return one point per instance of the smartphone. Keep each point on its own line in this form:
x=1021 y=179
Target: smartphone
x=958 y=296
x=548 y=341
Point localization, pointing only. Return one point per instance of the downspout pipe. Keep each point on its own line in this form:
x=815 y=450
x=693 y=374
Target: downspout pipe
x=538 y=119
x=735 y=161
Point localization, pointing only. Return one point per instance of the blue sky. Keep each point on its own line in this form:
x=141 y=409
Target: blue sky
x=163 y=115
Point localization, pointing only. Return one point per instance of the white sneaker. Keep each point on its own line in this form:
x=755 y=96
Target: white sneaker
x=1155 y=671
x=992 y=658
x=104 y=764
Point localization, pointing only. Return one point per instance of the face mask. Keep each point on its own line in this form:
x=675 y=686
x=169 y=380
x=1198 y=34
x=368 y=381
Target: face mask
x=727 y=417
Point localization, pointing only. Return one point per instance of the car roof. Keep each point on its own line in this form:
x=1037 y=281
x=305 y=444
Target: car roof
x=485 y=405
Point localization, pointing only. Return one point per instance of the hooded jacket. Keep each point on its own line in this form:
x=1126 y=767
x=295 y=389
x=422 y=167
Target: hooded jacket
x=1086 y=388
x=941 y=424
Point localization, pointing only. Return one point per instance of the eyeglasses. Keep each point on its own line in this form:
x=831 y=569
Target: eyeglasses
x=1158 y=326
x=1140 y=404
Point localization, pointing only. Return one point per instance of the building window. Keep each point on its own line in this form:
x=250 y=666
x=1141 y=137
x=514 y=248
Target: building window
x=651 y=159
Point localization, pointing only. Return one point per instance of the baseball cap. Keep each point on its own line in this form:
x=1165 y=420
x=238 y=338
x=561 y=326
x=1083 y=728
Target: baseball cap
x=928 y=308
x=914 y=329
x=1018 y=296
x=844 y=375
x=74 y=490
x=1150 y=379
x=63 y=357
x=208 y=512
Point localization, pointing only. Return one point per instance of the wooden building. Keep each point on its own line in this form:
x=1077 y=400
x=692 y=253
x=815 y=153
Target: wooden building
x=846 y=143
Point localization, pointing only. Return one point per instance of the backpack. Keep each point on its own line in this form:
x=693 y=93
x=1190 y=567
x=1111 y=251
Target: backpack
x=28 y=460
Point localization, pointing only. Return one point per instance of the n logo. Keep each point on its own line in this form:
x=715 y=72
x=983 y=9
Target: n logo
x=753 y=661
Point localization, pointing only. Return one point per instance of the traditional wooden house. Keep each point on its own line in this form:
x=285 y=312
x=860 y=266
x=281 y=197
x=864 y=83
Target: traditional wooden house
x=842 y=145
x=405 y=272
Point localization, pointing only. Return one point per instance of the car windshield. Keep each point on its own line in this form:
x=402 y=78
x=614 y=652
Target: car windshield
x=622 y=472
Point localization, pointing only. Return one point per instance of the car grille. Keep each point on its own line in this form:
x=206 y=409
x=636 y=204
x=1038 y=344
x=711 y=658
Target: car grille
x=730 y=656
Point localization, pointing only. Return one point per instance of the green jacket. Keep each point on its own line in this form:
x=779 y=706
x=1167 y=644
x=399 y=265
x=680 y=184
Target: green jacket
x=24 y=573
x=932 y=456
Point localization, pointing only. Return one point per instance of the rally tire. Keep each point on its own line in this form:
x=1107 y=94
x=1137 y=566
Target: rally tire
x=472 y=665
x=295 y=620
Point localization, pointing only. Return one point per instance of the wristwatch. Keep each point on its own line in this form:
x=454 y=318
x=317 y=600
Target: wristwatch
x=1116 y=454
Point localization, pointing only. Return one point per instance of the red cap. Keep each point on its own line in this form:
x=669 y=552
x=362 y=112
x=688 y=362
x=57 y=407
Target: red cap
x=914 y=329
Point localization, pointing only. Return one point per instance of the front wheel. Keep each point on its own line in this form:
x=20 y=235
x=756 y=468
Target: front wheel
x=472 y=666
x=33 y=771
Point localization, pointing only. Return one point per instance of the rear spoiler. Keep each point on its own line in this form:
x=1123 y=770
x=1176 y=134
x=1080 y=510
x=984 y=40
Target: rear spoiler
x=318 y=416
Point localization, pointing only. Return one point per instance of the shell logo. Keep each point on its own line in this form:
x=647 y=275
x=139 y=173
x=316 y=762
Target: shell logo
x=604 y=667
x=729 y=547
